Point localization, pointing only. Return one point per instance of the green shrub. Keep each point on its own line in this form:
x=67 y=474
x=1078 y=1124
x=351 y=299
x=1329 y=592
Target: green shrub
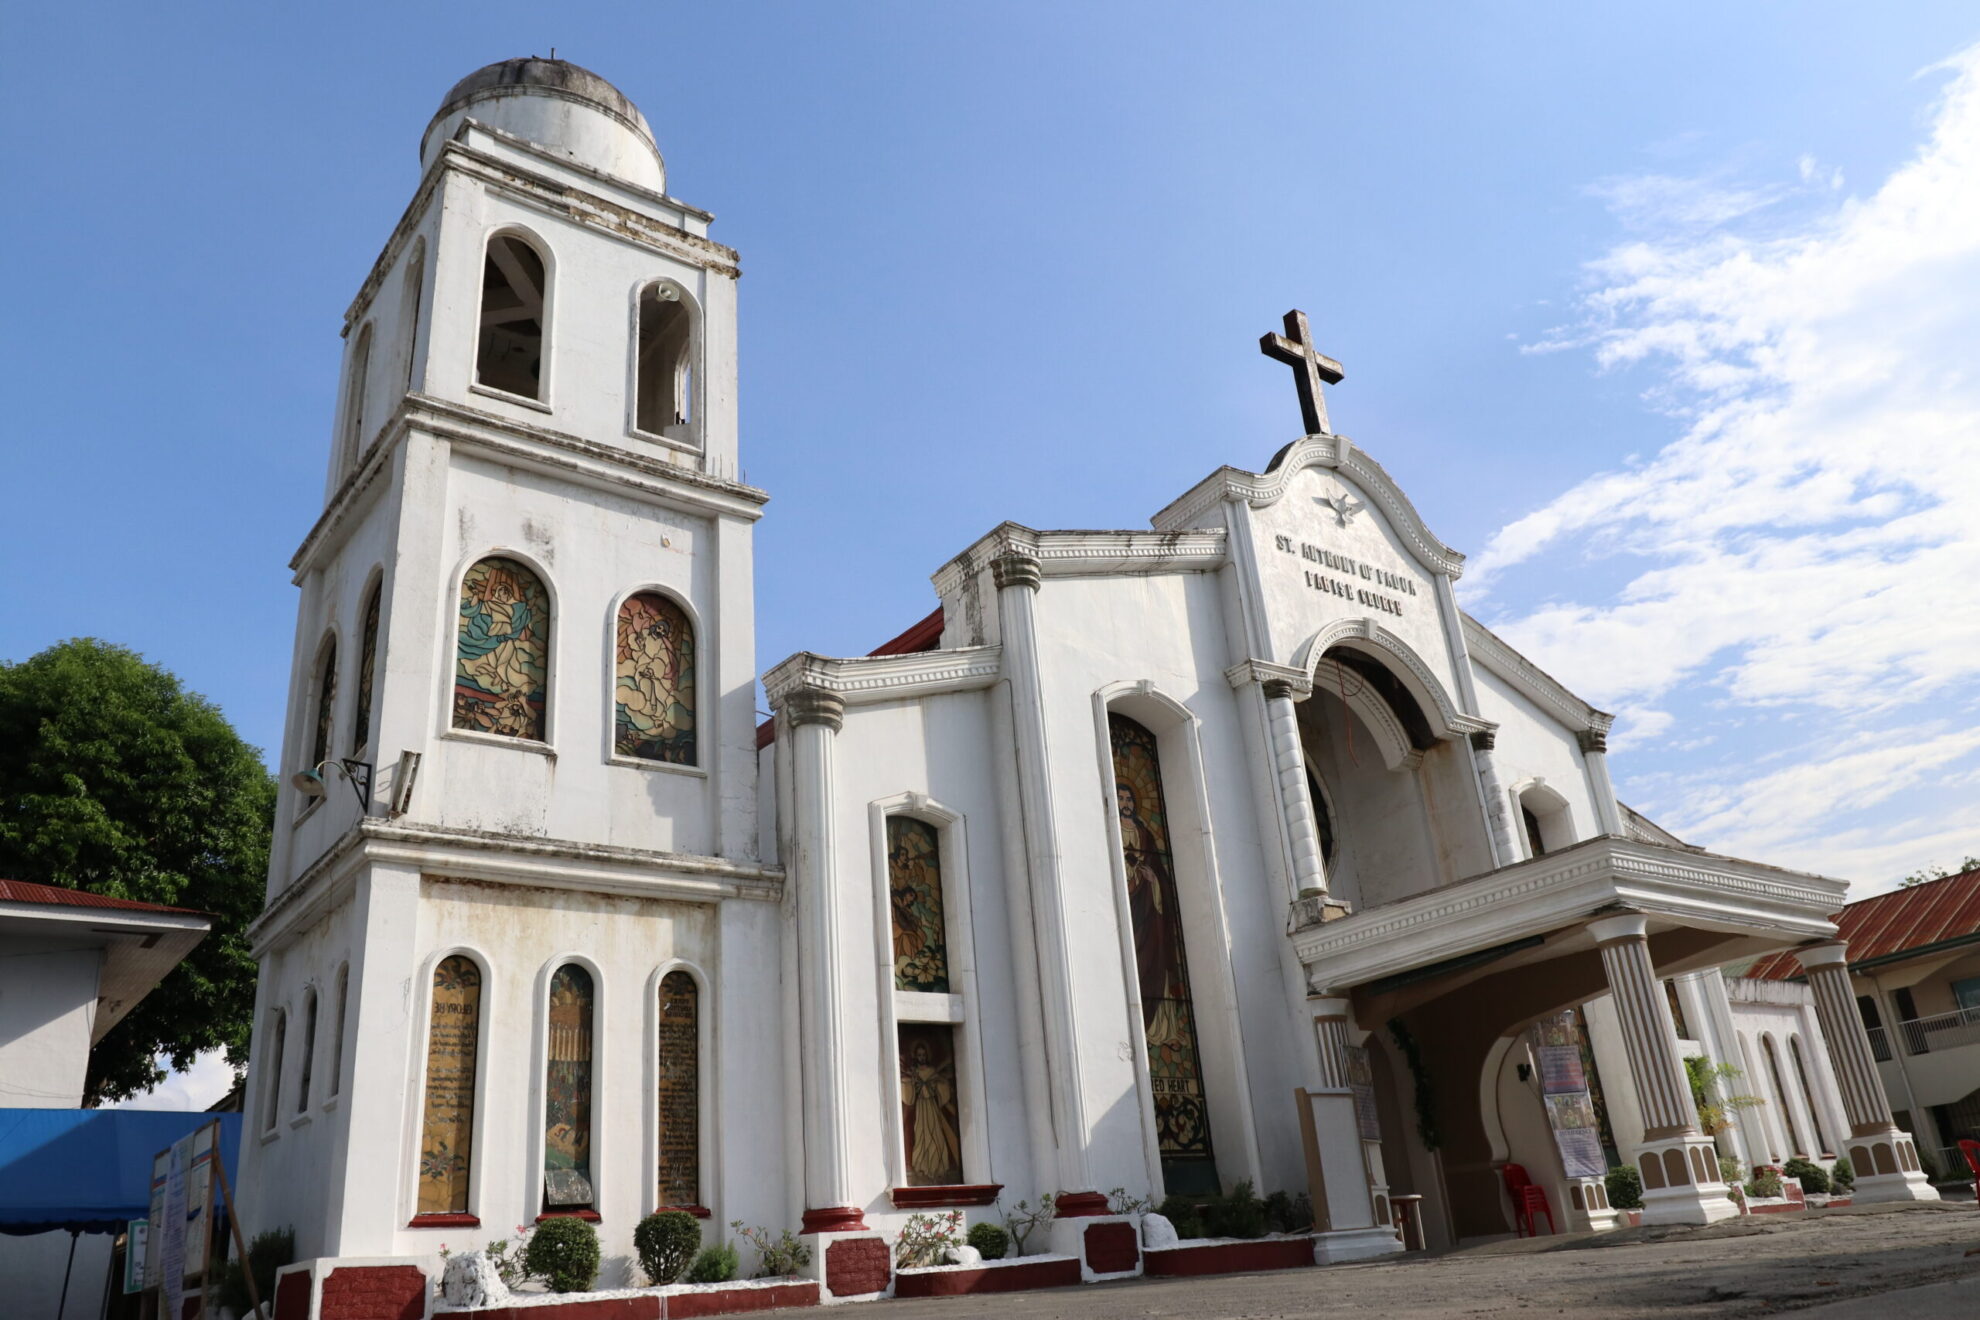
x=666 y=1242
x=1766 y=1181
x=563 y=1252
x=1181 y=1211
x=1813 y=1177
x=716 y=1264
x=1625 y=1186
x=991 y=1240
x=785 y=1254
x=1731 y=1171
x=267 y=1253
x=1239 y=1215
x=1842 y=1174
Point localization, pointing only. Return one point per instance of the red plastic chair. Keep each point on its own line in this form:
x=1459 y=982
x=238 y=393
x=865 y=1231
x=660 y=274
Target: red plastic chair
x=1971 y=1149
x=1529 y=1202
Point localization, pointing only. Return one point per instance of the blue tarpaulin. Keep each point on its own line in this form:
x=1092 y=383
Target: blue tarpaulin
x=89 y=1170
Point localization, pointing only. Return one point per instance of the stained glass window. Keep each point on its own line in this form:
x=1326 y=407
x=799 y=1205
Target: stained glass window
x=680 y=1090
x=453 y=1043
x=1168 y=1015
x=326 y=700
x=914 y=881
x=931 y=1126
x=502 y=660
x=654 y=690
x=367 y=662
x=567 y=1092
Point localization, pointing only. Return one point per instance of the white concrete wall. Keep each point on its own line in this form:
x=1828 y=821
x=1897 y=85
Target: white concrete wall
x=1532 y=749
x=47 y=1009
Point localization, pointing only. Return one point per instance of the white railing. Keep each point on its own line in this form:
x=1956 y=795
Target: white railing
x=1941 y=1031
x=1880 y=1044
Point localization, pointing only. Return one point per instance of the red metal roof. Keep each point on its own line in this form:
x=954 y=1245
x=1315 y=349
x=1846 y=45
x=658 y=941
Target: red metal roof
x=1910 y=918
x=923 y=636
x=24 y=891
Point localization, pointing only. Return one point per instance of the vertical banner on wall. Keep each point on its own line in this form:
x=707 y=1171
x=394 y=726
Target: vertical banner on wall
x=1564 y=1091
x=136 y=1259
x=172 y=1234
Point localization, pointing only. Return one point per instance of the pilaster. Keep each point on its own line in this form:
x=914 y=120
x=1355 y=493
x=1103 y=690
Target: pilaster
x=1498 y=815
x=1880 y=1153
x=1345 y=1177
x=1595 y=757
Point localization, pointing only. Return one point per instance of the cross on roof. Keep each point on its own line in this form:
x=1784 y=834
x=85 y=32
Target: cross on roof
x=1311 y=369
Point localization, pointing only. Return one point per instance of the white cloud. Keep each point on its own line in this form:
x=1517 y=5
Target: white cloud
x=1809 y=544
x=206 y=1081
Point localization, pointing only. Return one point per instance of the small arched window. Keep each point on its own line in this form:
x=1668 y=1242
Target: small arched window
x=354 y=425
x=1808 y=1095
x=567 y=1183
x=308 y=1049
x=337 y=1041
x=326 y=703
x=502 y=656
x=409 y=314
x=453 y=1048
x=367 y=665
x=278 y=1039
x=1535 y=846
x=679 y=1095
x=514 y=289
x=1781 y=1097
x=653 y=690
x=664 y=392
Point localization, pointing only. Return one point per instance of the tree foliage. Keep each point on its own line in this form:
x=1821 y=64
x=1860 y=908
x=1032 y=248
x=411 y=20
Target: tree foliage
x=116 y=780
x=1927 y=874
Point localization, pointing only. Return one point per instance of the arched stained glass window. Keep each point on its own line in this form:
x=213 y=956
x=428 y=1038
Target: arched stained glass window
x=367 y=664
x=326 y=701
x=1168 y=1015
x=567 y=1093
x=914 y=882
x=653 y=715
x=453 y=1043
x=502 y=660
x=679 y=1096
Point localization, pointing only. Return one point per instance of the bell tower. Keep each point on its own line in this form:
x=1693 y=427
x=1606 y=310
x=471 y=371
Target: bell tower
x=523 y=684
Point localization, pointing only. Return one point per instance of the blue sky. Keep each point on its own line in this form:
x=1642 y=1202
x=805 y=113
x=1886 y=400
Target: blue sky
x=1663 y=313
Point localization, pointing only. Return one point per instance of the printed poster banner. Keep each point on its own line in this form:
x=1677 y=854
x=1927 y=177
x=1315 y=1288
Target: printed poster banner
x=136 y=1259
x=172 y=1238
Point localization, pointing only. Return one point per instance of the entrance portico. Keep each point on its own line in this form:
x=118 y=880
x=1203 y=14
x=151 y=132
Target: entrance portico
x=1463 y=967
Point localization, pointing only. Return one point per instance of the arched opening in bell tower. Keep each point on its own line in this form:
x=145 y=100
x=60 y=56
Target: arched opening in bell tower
x=514 y=289
x=664 y=386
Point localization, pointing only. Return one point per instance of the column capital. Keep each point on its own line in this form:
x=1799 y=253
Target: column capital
x=1832 y=953
x=1275 y=679
x=1619 y=928
x=1483 y=740
x=1276 y=689
x=809 y=705
x=1014 y=568
x=1326 y=1008
x=1592 y=740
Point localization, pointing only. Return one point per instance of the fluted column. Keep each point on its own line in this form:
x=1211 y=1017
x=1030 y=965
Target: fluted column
x=1498 y=815
x=1662 y=1089
x=1679 y=1164
x=1309 y=867
x=1880 y=1153
x=812 y=718
x=1018 y=579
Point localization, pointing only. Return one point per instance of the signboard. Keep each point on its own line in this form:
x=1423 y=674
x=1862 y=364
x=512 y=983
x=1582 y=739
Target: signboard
x=1361 y=1082
x=1564 y=1091
x=172 y=1234
x=135 y=1236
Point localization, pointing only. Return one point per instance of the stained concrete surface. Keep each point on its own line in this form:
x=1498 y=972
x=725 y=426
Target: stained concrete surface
x=1907 y=1261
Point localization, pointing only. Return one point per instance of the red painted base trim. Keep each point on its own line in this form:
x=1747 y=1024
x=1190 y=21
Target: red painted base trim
x=1229 y=1257
x=833 y=1219
x=698 y=1211
x=588 y=1216
x=736 y=1301
x=597 y=1308
x=445 y=1221
x=1078 y=1205
x=990 y=1279
x=920 y=1198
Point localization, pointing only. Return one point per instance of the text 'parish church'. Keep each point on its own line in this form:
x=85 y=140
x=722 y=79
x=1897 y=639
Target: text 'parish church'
x=1163 y=860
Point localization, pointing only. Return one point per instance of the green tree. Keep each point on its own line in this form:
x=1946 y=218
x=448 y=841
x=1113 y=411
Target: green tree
x=1926 y=874
x=116 y=780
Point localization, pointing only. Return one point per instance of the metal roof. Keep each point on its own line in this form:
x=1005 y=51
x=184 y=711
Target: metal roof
x=26 y=891
x=1905 y=920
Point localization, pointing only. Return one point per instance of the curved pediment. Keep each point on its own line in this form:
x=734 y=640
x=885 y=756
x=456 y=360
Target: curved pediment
x=1335 y=452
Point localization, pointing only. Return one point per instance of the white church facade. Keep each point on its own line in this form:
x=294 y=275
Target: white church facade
x=1152 y=862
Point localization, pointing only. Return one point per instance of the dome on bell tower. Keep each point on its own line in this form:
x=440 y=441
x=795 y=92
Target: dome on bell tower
x=559 y=106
